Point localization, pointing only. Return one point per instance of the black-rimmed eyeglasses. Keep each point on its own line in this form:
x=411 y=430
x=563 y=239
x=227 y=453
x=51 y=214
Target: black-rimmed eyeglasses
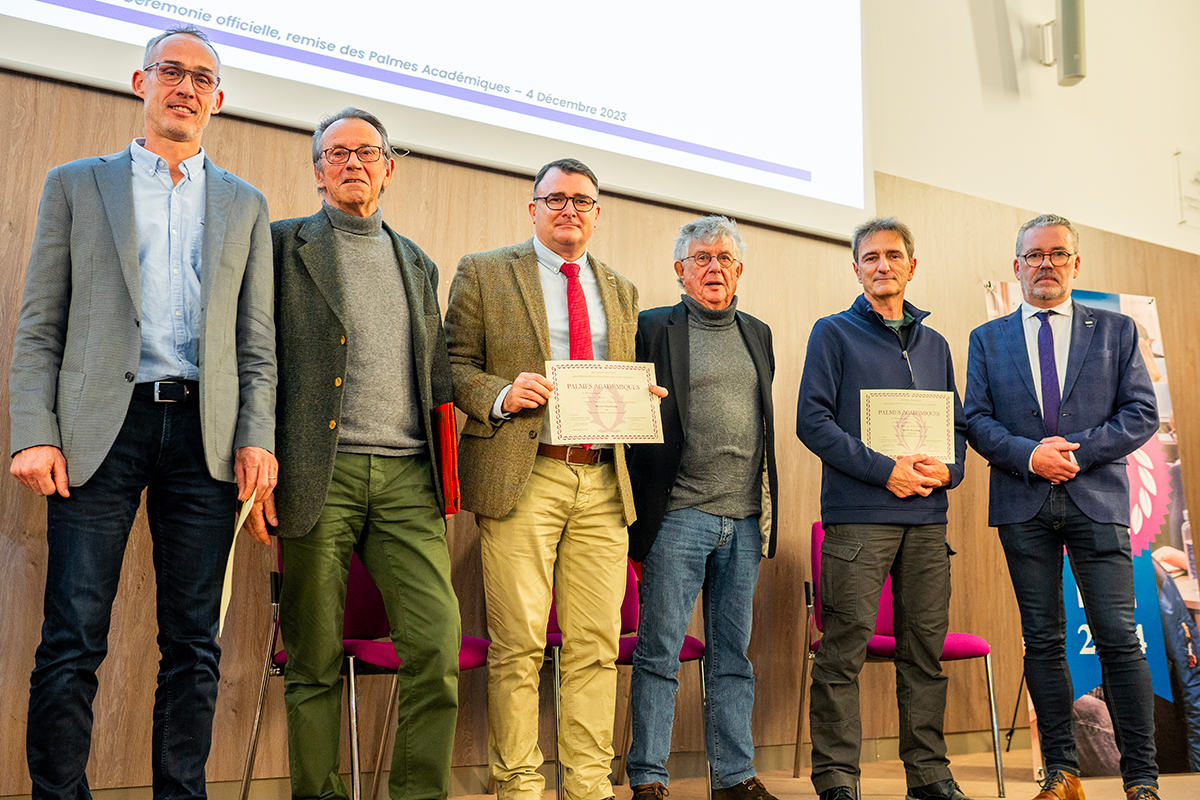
x=173 y=75
x=557 y=202
x=341 y=155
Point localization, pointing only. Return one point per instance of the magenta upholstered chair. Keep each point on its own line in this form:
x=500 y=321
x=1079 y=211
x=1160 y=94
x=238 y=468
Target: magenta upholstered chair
x=882 y=647
x=364 y=624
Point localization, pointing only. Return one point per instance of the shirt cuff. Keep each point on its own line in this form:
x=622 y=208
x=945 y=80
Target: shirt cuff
x=498 y=412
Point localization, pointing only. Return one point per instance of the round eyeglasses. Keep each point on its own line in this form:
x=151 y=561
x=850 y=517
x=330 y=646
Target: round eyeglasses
x=1058 y=258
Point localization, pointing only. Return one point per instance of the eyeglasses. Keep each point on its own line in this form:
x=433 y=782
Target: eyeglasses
x=172 y=75
x=704 y=259
x=1058 y=258
x=341 y=155
x=557 y=202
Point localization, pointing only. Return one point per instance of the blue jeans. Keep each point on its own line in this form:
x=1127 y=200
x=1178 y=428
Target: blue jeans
x=1103 y=567
x=693 y=551
x=191 y=524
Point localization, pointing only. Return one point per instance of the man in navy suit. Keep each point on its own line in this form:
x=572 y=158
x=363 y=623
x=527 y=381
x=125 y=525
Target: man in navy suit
x=1057 y=396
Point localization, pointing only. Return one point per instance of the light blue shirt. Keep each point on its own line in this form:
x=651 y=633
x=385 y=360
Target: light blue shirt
x=554 y=295
x=170 y=235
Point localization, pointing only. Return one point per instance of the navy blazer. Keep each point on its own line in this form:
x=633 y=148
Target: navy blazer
x=662 y=337
x=1108 y=407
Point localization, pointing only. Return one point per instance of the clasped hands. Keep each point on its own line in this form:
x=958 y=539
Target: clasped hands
x=917 y=474
x=1053 y=461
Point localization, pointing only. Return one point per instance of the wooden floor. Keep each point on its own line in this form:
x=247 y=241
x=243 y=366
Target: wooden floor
x=975 y=773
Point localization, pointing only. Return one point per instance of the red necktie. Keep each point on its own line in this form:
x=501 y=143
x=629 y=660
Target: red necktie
x=577 y=316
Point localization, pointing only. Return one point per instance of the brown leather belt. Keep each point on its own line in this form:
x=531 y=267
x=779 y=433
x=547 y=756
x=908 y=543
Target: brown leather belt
x=576 y=455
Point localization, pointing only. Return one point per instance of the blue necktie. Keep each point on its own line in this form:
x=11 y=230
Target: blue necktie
x=1051 y=396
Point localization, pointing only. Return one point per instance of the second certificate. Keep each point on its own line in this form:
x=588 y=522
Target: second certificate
x=601 y=402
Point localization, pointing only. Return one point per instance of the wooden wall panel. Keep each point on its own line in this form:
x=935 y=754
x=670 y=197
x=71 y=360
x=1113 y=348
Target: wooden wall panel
x=452 y=209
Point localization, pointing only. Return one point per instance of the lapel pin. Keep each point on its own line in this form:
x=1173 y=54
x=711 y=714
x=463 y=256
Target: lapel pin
x=1089 y=322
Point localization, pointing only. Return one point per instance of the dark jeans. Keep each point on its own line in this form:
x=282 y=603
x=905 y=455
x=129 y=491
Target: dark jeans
x=1103 y=568
x=191 y=519
x=855 y=560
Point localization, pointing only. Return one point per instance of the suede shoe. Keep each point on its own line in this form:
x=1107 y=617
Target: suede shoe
x=750 y=789
x=649 y=791
x=838 y=793
x=1145 y=792
x=941 y=790
x=1061 y=785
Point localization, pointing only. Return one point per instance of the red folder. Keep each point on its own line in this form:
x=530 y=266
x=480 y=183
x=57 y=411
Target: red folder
x=445 y=445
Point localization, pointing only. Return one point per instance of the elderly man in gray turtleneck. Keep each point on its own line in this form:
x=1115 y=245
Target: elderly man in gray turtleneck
x=706 y=509
x=364 y=376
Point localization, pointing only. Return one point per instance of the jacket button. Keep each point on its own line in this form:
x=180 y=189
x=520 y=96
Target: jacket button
x=332 y=424
x=129 y=376
x=1034 y=412
x=343 y=340
x=533 y=434
x=337 y=381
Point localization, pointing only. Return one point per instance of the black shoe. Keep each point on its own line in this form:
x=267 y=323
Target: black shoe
x=750 y=789
x=649 y=791
x=838 y=793
x=942 y=790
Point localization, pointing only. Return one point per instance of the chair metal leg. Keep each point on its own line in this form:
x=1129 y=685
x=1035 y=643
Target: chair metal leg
x=383 y=737
x=561 y=790
x=987 y=663
x=708 y=776
x=806 y=656
x=626 y=741
x=355 y=777
x=806 y=660
x=252 y=750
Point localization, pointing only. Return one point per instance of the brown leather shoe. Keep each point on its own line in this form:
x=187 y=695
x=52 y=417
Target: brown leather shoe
x=1060 y=785
x=750 y=789
x=1141 y=793
x=649 y=791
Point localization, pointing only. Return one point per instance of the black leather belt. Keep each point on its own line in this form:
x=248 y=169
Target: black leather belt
x=168 y=391
x=576 y=455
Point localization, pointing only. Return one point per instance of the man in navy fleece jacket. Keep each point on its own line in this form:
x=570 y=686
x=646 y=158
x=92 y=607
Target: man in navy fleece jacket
x=881 y=515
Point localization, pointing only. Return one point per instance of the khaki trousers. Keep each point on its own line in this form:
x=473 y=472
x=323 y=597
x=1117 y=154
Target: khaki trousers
x=567 y=535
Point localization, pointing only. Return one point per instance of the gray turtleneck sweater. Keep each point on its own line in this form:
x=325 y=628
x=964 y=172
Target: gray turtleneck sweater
x=721 y=468
x=380 y=407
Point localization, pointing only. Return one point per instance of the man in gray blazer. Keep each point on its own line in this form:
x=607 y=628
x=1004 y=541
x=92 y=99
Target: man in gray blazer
x=144 y=358
x=364 y=381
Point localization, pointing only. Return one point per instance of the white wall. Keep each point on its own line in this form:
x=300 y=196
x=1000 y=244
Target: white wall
x=956 y=98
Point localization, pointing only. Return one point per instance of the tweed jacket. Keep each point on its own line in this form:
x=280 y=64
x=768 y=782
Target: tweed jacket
x=310 y=308
x=496 y=329
x=78 y=341
x=1108 y=407
x=663 y=338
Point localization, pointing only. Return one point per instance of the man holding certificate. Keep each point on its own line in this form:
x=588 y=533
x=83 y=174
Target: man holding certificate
x=879 y=407
x=551 y=517
x=707 y=504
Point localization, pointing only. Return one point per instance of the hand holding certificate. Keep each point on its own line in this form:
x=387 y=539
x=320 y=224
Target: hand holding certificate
x=905 y=422
x=600 y=402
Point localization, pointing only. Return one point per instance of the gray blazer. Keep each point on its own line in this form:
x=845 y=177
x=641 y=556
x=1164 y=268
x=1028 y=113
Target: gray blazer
x=313 y=357
x=78 y=340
